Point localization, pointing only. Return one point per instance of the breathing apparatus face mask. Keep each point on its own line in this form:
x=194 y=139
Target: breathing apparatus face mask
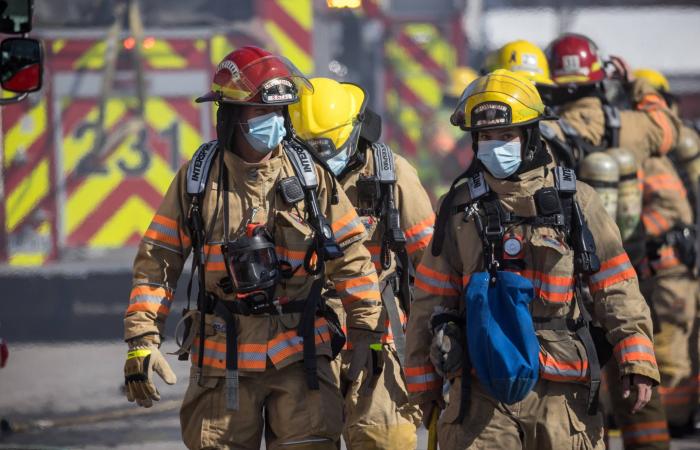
x=336 y=158
x=265 y=132
x=501 y=158
x=252 y=264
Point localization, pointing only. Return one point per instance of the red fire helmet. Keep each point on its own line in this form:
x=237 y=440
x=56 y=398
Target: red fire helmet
x=574 y=58
x=253 y=76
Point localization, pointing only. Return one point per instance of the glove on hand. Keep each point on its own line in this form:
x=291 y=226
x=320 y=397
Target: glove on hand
x=366 y=356
x=446 y=350
x=141 y=362
x=447 y=346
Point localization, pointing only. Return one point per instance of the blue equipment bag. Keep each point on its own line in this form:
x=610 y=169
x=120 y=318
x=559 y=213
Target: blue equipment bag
x=503 y=346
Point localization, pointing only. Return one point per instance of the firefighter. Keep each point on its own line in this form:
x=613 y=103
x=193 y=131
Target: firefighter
x=681 y=397
x=343 y=132
x=512 y=230
x=650 y=131
x=265 y=230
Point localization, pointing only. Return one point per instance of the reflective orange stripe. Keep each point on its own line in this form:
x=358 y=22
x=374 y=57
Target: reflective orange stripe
x=550 y=287
x=150 y=298
x=421 y=379
x=667 y=259
x=418 y=236
x=347 y=226
x=645 y=432
x=650 y=101
x=667 y=140
x=358 y=288
x=436 y=283
x=612 y=271
x=570 y=371
x=635 y=348
x=655 y=223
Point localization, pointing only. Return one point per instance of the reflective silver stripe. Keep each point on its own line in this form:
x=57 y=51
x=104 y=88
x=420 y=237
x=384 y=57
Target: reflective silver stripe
x=361 y=288
x=354 y=223
x=635 y=349
x=600 y=276
x=145 y=298
x=421 y=379
x=418 y=236
x=209 y=352
x=164 y=229
x=434 y=282
x=570 y=373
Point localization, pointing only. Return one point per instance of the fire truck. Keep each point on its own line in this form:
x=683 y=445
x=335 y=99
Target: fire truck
x=87 y=159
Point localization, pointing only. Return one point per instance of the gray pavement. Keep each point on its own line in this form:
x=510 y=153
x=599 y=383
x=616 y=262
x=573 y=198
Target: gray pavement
x=77 y=385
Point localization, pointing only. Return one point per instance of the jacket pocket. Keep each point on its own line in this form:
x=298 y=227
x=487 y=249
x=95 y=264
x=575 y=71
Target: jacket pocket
x=562 y=357
x=552 y=268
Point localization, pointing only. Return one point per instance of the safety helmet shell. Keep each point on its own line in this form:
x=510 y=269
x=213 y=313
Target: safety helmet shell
x=498 y=100
x=253 y=76
x=525 y=58
x=575 y=59
x=329 y=116
x=655 y=78
x=460 y=77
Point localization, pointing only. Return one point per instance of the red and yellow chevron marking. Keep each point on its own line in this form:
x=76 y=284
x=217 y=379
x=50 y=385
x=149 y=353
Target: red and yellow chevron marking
x=112 y=209
x=27 y=176
x=419 y=63
x=289 y=23
x=158 y=53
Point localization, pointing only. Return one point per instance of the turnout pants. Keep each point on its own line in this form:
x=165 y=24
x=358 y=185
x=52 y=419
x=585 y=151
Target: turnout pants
x=275 y=402
x=552 y=417
x=673 y=295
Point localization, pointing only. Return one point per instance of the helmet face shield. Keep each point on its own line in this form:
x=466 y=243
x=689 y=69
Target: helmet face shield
x=269 y=80
x=326 y=149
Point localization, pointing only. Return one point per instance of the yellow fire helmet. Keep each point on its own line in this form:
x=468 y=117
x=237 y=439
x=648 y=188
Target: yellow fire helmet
x=329 y=117
x=522 y=57
x=655 y=78
x=461 y=76
x=498 y=100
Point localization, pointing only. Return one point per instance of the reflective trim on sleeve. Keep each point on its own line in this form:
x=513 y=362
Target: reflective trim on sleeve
x=633 y=349
x=421 y=379
x=359 y=288
x=418 y=236
x=347 y=226
x=437 y=283
x=612 y=271
x=654 y=223
x=150 y=298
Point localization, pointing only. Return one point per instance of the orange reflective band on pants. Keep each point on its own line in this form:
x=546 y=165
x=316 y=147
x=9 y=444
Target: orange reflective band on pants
x=645 y=432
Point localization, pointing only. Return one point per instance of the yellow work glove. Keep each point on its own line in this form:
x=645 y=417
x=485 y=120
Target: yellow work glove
x=367 y=356
x=141 y=362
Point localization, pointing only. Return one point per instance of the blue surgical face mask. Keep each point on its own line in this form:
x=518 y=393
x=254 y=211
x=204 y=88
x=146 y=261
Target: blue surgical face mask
x=501 y=158
x=265 y=132
x=338 y=163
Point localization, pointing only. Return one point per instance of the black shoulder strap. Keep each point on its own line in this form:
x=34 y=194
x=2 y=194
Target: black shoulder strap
x=303 y=164
x=562 y=150
x=384 y=167
x=199 y=168
x=612 y=126
x=477 y=189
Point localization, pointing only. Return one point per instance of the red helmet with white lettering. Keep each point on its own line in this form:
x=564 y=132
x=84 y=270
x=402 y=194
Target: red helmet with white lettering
x=253 y=76
x=574 y=58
